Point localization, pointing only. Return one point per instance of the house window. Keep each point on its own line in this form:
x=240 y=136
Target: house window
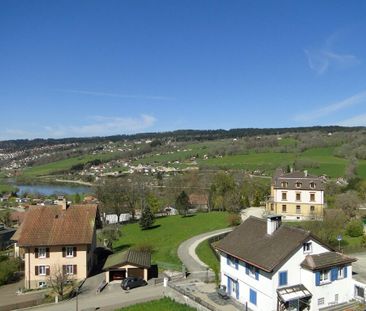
x=284 y=184
x=69 y=269
x=324 y=276
x=312 y=208
x=42 y=252
x=251 y=271
x=312 y=197
x=307 y=247
x=42 y=270
x=359 y=292
x=298 y=184
x=272 y=207
x=69 y=251
x=232 y=262
x=340 y=272
x=312 y=185
x=42 y=284
x=298 y=209
x=298 y=196
x=320 y=301
x=253 y=296
x=282 y=278
x=284 y=196
x=284 y=208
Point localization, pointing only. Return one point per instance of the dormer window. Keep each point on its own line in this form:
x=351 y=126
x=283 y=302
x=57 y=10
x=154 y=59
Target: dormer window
x=298 y=184
x=284 y=184
x=312 y=185
x=307 y=247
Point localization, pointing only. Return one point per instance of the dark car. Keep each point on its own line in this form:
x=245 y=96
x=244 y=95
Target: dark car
x=132 y=282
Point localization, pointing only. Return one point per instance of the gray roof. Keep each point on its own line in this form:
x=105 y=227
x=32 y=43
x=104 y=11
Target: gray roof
x=250 y=243
x=132 y=257
x=325 y=260
x=294 y=177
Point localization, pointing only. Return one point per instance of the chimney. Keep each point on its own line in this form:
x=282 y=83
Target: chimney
x=291 y=169
x=305 y=173
x=273 y=223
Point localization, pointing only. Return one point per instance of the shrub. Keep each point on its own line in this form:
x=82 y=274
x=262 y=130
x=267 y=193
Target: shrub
x=354 y=228
x=144 y=247
x=234 y=220
x=7 y=270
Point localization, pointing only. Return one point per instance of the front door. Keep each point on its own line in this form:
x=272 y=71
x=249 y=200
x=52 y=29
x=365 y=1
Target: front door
x=233 y=288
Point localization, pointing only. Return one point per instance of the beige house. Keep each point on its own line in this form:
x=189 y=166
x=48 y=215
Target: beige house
x=57 y=239
x=296 y=196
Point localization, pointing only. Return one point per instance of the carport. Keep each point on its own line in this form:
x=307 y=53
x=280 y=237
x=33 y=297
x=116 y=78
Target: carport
x=126 y=264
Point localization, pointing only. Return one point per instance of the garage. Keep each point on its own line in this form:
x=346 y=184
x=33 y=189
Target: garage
x=128 y=263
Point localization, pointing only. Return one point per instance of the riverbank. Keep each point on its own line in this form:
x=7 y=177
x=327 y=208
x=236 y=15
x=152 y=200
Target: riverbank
x=77 y=182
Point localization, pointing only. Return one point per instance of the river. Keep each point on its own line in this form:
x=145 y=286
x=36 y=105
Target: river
x=49 y=189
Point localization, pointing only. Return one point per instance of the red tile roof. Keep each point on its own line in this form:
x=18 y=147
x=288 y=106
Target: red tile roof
x=51 y=225
x=198 y=199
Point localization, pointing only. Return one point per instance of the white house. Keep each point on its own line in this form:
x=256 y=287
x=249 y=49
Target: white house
x=273 y=267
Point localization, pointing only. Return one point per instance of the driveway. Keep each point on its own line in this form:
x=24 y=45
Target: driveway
x=359 y=267
x=111 y=298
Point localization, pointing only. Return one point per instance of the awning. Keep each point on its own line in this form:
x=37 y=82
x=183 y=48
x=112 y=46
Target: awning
x=295 y=292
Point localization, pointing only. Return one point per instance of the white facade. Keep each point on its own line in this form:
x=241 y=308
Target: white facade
x=259 y=289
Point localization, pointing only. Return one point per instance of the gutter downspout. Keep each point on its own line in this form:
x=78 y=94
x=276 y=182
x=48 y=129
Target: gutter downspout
x=29 y=284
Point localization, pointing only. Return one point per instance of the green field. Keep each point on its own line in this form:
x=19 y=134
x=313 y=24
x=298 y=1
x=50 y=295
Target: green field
x=6 y=188
x=164 y=304
x=168 y=234
x=205 y=253
x=64 y=165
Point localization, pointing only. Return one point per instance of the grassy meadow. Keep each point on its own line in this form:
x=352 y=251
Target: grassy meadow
x=164 y=304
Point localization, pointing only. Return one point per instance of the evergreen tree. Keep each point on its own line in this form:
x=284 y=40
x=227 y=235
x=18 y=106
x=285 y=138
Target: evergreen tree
x=147 y=218
x=182 y=203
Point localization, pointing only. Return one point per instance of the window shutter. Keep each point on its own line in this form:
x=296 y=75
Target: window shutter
x=47 y=270
x=74 y=250
x=345 y=271
x=236 y=263
x=228 y=260
x=36 y=252
x=256 y=274
x=334 y=274
x=237 y=290
x=63 y=269
x=253 y=297
x=229 y=285
x=64 y=252
x=246 y=268
x=317 y=278
x=36 y=270
x=47 y=252
x=74 y=269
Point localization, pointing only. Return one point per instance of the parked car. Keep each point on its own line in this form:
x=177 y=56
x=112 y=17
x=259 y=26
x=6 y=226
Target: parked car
x=132 y=282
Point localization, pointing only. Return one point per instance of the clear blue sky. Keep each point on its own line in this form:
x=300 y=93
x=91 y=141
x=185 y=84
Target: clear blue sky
x=86 y=68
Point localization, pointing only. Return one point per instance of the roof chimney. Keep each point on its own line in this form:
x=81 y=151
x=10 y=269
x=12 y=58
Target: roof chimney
x=305 y=173
x=291 y=169
x=273 y=223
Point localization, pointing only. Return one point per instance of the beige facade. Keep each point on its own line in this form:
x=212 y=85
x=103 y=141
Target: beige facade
x=296 y=196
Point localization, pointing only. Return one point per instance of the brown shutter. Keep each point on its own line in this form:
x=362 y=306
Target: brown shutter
x=36 y=252
x=36 y=270
x=47 y=270
x=74 y=269
x=47 y=252
x=63 y=269
x=64 y=252
x=74 y=250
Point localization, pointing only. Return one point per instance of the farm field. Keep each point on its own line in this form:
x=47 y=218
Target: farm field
x=164 y=304
x=167 y=234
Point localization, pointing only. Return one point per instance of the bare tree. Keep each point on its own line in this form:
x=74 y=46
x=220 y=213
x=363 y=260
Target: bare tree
x=59 y=278
x=349 y=202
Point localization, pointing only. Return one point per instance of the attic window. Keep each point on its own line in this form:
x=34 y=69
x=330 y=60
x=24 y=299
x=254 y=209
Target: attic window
x=284 y=184
x=298 y=184
x=312 y=185
x=307 y=247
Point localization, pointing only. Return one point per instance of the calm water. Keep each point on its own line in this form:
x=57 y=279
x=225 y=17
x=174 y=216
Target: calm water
x=45 y=189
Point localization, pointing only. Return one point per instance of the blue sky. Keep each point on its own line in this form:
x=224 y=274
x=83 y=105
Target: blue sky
x=90 y=68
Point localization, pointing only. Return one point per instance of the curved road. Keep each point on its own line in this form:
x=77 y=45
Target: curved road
x=187 y=250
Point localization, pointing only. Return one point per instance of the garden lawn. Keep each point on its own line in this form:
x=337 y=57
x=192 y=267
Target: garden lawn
x=164 y=304
x=168 y=234
x=205 y=253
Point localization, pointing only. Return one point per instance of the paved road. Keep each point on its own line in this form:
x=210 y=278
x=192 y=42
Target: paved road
x=187 y=250
x=111 y=298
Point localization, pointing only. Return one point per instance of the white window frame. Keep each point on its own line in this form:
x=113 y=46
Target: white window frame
x=283 y=196
x=324 y=276
x=312 y=185
x=298 y=185
x=307 y=247
x=310 y=199
x=42 y=252
x=70 y=253
x=69 y=269
x=42 y=270
x=321 y=301
x=298 y=209
x=340 y=273
x=251 y=271
x=298 y=194
x=42 y=284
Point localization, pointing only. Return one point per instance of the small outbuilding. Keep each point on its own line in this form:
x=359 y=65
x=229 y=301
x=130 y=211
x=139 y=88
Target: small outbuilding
x=126 y=264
